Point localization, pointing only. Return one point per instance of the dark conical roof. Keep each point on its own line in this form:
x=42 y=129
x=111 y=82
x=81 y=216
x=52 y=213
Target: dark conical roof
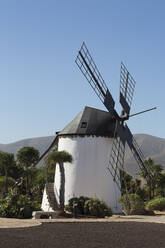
x=90 y=121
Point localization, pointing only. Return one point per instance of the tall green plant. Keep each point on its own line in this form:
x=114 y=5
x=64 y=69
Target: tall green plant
x=132 y=204
x=129 y=185
x=152 y=179
x=6 y=162
x=27 y=157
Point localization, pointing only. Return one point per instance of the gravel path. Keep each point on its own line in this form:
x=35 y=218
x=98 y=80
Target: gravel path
x=85 y=235
x=16 y=223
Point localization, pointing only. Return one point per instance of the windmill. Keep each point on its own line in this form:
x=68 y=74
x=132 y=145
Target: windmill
x=96 y=139
x=121 y=132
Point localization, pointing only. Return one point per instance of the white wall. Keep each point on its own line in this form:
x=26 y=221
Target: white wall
x=88 y=175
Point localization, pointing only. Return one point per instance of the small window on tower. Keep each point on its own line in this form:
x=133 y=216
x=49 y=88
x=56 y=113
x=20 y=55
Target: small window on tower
x=84 y=124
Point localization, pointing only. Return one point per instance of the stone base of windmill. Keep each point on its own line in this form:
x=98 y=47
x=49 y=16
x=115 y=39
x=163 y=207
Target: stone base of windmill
x=49 y=206
x=49 y=201
x=44 y=215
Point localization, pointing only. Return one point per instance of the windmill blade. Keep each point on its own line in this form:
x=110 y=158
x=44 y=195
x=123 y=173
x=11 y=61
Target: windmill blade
x=136 y=151
x=116 y=160
x=93 y=76
x=127 y=86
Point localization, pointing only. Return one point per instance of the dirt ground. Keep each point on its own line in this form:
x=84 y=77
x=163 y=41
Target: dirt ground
x=17 y=223
x=84 y=235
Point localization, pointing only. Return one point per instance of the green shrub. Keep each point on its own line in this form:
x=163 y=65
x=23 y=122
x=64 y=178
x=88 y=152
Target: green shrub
x=95 y=207
x=132 y=204
x=26 y=206
x=80 y=204
x=156 y=204
x=8 y=206
x=17 y=206
x=89 y=206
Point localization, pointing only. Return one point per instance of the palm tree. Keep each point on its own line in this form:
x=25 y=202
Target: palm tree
x=60 y=157
x=27 y=157
x=6 y=163
x=152 y=180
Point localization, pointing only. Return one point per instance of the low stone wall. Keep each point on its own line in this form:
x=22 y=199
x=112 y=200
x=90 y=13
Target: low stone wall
x=44 y=215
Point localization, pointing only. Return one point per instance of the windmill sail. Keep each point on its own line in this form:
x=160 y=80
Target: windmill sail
x=127 y=86
x=90 y=71
x=136 y=151
x=116 y=159
x=122 y=134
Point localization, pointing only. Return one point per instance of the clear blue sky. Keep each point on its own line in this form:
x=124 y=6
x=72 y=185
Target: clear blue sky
x=41 y=88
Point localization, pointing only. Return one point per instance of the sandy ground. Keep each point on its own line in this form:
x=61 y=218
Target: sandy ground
x=18 y=223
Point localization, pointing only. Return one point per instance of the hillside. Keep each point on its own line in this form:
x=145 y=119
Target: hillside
x=40 y=143
x=151 y=146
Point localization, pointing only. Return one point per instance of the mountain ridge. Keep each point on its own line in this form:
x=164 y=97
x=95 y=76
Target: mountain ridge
x=151 y=146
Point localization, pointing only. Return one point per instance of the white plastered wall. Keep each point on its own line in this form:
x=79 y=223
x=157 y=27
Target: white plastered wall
x=88 y=174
